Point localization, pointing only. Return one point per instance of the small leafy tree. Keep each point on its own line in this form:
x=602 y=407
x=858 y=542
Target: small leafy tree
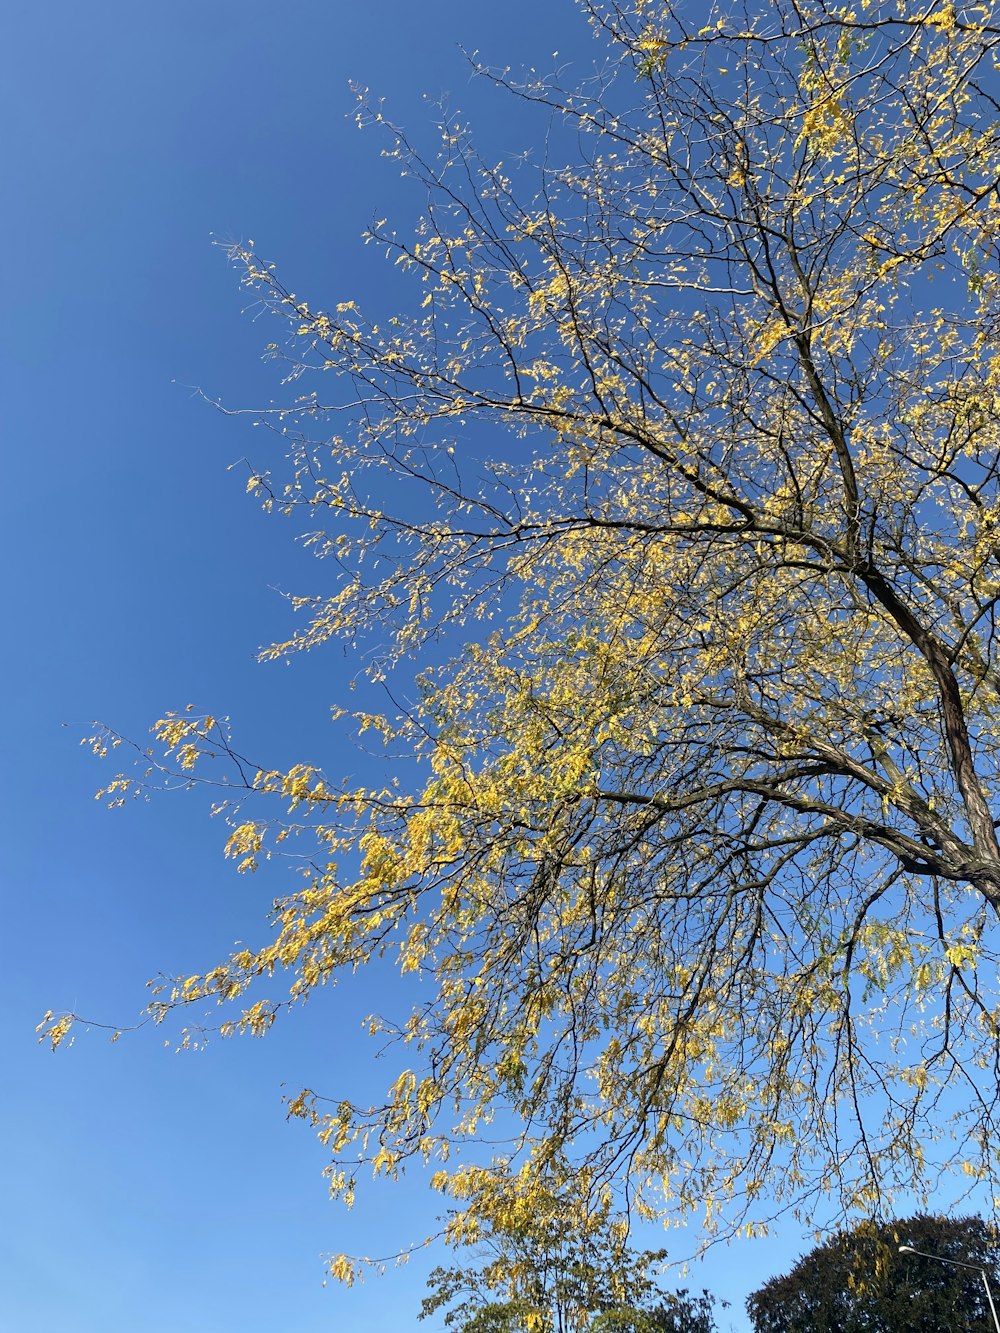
x=559 y=1266
x=677 y=1312
x=858 y=1282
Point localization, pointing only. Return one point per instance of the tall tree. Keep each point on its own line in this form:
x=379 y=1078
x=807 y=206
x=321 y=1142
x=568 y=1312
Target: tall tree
x=858 y=1282
x=688 y=450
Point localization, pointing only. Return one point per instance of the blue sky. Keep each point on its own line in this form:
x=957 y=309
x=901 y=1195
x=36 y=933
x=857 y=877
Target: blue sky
x=143 y=1189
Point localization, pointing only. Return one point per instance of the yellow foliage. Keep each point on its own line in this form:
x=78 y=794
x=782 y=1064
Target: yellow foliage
x=669 y=513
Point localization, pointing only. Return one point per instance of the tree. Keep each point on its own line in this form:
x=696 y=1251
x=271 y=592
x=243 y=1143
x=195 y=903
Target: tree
x=680 y=1312
x=559 y=1267
x=669 y=518
x=858 y=1282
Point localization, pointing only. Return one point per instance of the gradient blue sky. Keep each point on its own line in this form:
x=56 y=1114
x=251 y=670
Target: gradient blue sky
x=143 y=1190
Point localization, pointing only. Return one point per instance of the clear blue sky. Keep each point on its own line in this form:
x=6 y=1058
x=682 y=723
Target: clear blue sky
x=146 y=1191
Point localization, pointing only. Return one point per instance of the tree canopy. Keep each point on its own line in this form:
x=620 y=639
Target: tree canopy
x=858 y=1282
x=666 y=510
x=552 y=1264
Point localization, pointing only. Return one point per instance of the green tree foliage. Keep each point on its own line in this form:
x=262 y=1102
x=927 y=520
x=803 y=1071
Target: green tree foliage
x=677 y=1312
x=560 y=1267
x=858 y=1282
x=684 y=445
